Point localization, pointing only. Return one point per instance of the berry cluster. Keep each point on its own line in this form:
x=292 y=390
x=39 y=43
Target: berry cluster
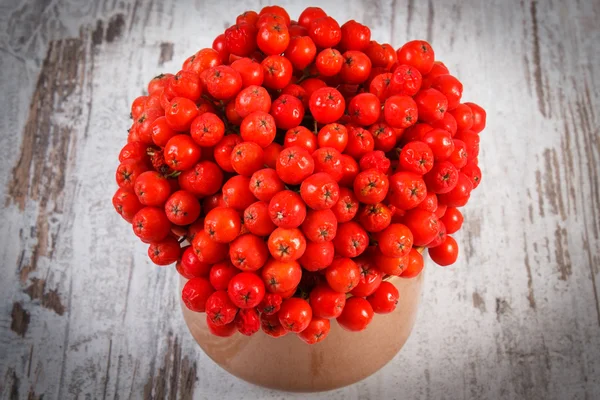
x=305 y=164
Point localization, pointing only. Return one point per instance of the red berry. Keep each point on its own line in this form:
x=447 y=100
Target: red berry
x=329 y=62
x=458 y=196
x=326 y=105
x=385 y=299
x=370 y=277
x=318 y=255
x=326 y=302
x=246 y=290
x=355 y=36
x=459 y=156
x=325 y=32
x=417 y=53
x=207 y=129
x=446 y=253
x=221 y=330
x=220 y=310
x=207 y=250
x=329 y=160
x=221 y=273
x=301 y=52
x=346 y=207
x=165 y=252
x=288 y=111
x=223 y=82
x=395 y=241
x=248 y=252
x=320 y=191
x=281 y=276
x=452 y=220
x=179 y=114
x=380 y=84
x=349 y=170
x=440 y=142
x=300 y=137
x=294 y=165
x=278 y=72
x=356 y=67
x=240 y=39
x=320 y=226
x=271 y=326
x=364 y=109
x=257 y=219
x=252 y=99
x=316 y=331
x=471 y=141
x=286 y=244
x=371 y=186
x=182 y=208
x=400 y=111
x=126 y=203
x=247 y=321
x=342 y=275
x=374 y=217
x=423 y=225
x=357 y=314
x=273 y=38
x=463 y=116
x=270 y=304
x=375 y=159
x=391 y=265
x=450 y=87
x=415 y=265
x=195 y=293
x=479 y=117
x=287 y=210
x=416 y=157
x=407 y=190
x=406 y=80
x=237 y=194
x=472 y=171
x=272 y=152
x=333 y=135
x=247 y=158
x=383 y=136
x=189 y=266
x=152 y=189
x=222 y=224
x=161 y=132
x=442 y=178
x=295 y=314
x=360 y=142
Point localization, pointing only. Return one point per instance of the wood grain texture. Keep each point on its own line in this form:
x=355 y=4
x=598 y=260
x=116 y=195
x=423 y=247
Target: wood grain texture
x=83 y=313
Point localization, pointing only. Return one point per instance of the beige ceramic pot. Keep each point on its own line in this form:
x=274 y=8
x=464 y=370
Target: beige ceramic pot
x=287 y=363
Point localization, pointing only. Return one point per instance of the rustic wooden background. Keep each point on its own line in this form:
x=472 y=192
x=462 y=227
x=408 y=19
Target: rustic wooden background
x=83 y=313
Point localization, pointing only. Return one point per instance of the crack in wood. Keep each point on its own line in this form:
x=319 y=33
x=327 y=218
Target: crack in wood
x=175 y=372
x=166 y=53
x=20 y=319
x=530 y=296
x=48 y=299
x=537 y=63
x=479 y=302
x=430 y=16
x=502 y=308
x=39 y=173
x=115 y=28
x=561 y=252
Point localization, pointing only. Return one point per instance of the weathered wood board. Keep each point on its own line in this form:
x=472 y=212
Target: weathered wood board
x=83 y=313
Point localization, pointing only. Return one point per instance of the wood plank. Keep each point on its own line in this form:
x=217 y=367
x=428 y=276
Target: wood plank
x=84 y=314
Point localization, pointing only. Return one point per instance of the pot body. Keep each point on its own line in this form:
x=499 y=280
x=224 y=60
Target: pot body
x=287 y=363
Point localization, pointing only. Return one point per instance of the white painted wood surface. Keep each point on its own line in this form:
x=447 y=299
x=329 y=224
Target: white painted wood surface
x=84 y=314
